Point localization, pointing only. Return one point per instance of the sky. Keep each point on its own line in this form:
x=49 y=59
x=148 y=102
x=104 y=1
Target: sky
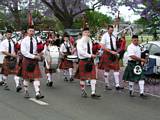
x=128 y=15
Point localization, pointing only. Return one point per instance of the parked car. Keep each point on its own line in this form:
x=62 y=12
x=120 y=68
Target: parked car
x=153 y=66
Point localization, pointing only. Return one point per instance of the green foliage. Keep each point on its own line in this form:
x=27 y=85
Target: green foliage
x=96 y=20
x=2 y=21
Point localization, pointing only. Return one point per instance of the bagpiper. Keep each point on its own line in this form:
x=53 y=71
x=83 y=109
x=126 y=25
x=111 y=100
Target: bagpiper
x=86 y=68
x=30 y=66
x=9 y=66
x=109 y=59
x=134 y=70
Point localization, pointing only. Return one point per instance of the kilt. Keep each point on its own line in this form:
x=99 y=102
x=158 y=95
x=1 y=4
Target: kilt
x=129 y=74
x=65 y=64
x=5 y=68
x=82 y=74
x=30 y=75
x=106 y=63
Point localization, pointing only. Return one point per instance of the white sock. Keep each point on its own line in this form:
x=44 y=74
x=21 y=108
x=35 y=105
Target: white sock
x=116 y=77
x=70 y=72
x=65 y=73
x=16 y=79
x=82 y=85
x=49 y=77
x=36 y=84
x=141 y=86
x=87 y=82
x=93 y=86
x=106 y=78
x=4 y=78
x=131 y=86
x=25 y=84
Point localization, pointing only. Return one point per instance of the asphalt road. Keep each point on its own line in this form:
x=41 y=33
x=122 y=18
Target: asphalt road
x=63 y=102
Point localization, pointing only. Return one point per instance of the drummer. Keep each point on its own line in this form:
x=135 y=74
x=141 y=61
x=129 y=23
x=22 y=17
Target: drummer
x=66 y=65
x=48 y=70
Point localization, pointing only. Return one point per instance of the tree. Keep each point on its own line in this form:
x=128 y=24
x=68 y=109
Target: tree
x=2 y=21
x=12 y=5
x=95 y=20
x=67 y=10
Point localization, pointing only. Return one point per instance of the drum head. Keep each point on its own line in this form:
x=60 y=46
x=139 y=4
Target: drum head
x=72 y=57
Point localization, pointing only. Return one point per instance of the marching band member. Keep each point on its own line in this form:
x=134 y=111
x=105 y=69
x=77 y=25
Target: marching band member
x=10 y=60
x=30 y=66
x=47 y=63
x=86 y=69
x=19 y=57
x=109 y=60
x=134 y=59
x=122 y=45
x=66 y=65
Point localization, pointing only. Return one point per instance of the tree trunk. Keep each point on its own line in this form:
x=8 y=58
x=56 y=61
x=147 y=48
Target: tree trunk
x=68 y=22
x=17 y=19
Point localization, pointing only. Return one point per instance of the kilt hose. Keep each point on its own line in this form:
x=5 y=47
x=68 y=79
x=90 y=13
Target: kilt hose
x=81 y=72
x=107 y=63
x=36 y=73
x=65 y=64
x=6 y=70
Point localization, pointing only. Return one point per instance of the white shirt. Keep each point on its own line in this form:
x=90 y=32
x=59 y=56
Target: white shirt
x=133 y=50
x=25 y=47
x=82 y=47
x=4 y=46
x=63 y=47
x=106 y=40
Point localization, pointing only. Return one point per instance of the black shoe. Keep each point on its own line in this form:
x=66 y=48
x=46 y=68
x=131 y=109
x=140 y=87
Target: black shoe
x=119 y=88
x=95 y=96
x=39 y=96
x=31 y=80
x=131 y=94
x=71 y=80
x=84 y=94
x=143 y=96
x=49 y=83
x=26 y=95
x=1 y=83
x=65 y=79
x=18 y=88
x=108 y=88
x=6 y=87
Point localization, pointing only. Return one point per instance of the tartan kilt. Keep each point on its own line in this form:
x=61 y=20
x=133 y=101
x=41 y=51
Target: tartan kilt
x=30 y=75
x=5 y=68
x=106 y=63
x=65 y=64
x=82 y=74
x=129 y=74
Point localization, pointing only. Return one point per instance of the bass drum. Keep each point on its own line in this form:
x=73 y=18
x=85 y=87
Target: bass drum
x=52 y=57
